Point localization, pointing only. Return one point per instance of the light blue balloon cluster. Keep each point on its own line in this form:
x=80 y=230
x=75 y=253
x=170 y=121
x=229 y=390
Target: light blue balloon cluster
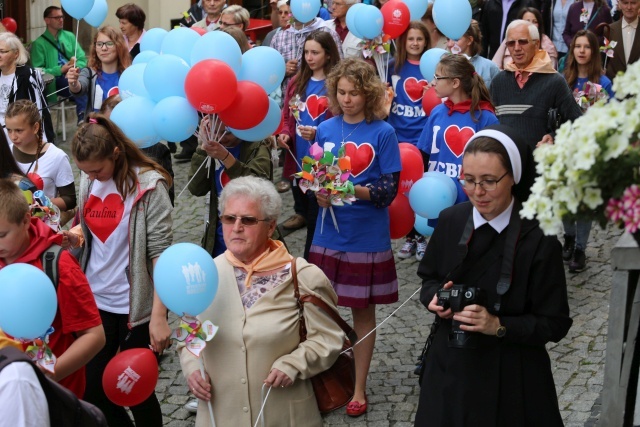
x=97 y=14
x=364 y=21
x=452 y=17
x=28 y=301
x=186 y=279
x=265 y=128
x=431 y=194
x=429 y=61
x=417 y=8
x=217 y=45
x=305 y=10
x=77 y=8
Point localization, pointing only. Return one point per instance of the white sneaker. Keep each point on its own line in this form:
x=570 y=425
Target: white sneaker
x=408 y=249
x=421 y=248
x=192 y=406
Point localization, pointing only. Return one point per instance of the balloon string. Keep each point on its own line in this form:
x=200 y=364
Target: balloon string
x=213 y=421
x=264 y=402
x=59 y=90
x=75 y=52
x=381 y=323
x=194 y=175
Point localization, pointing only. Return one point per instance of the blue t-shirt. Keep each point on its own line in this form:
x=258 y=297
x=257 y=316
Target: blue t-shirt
x=444 y=138
x=373 y=148
x=604 y=82
x=106 y=85
x=315 y=112
x=407 y=115
x=221 y=179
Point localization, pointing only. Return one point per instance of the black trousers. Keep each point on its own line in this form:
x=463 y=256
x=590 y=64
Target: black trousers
x=146 y=414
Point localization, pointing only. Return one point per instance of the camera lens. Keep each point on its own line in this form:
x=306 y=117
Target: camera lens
x=468 y=294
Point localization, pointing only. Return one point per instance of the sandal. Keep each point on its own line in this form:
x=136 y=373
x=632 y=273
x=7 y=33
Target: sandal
x=356 y=409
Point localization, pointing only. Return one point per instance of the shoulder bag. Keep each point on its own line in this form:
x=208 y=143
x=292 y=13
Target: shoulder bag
x=334 y=387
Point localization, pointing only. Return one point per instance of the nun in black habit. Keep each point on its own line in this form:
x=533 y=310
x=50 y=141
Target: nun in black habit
x=493 y=368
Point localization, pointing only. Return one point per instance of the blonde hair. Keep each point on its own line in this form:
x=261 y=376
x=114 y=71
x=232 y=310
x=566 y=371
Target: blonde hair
x=14 y=206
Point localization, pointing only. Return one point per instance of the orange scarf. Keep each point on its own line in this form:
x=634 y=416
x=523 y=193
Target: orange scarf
x=541 y=63
x=275 y=257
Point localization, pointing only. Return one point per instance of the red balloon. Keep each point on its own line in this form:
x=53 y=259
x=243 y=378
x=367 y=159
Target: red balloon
x=396 y=17
x=36 y=179
x=10 y=24
x=280 y=126
x=130 y=377
x=401 y=217
x=412 y=169
x=430 y=100
x=211 y=86
x=409 y=146
x=248 y=109
x=199 y=30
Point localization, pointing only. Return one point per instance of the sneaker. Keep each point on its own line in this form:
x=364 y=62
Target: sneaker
x=295 y=222
x=579 y=262
x=192 y=406
x=421 y=248
x=568 y=248
x=408 y=249
x=80 y=118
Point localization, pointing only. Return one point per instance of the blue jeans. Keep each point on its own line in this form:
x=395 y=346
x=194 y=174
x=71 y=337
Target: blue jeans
x=579 y=230
x=81 y=101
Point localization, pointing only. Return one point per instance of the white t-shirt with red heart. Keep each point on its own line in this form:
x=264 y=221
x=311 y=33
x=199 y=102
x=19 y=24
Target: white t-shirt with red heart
x=106 y=215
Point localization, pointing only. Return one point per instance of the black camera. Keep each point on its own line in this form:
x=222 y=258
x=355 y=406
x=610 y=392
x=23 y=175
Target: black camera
x=457 y=298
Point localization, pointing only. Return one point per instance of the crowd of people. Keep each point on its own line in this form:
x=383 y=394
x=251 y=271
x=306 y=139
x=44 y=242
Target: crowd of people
x=493 y=284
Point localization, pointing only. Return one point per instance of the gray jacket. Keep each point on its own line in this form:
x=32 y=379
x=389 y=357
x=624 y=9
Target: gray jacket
x=150 y=233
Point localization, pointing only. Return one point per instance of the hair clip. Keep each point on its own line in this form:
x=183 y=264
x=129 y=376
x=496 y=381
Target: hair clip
x=92 y=120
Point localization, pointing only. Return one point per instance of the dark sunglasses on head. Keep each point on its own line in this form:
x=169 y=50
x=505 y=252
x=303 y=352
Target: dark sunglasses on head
x=521 y=42
x=244 y=220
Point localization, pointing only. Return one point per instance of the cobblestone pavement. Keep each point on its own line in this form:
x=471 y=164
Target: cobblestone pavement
x=577 y=360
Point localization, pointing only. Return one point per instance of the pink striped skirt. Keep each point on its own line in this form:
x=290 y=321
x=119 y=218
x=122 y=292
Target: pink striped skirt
x=359 y=278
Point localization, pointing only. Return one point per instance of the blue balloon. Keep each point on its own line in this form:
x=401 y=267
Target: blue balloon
x=174 y=119
x=217 y=45
x=132 y=116
x=265 y=128
x=430 y=195
x=450 y=182
x=152 y=40
x=452 y=17
x=131 y=82
x=77 y=8
x=264 y=66
x=144 y=57
x=369 y=21
x=350 y=19
x=98 y=13
x=28 y=301
x=305 y=10
x=165 y=75
x=180 y=42
x=422 y=226
x=429 y=61
x=186 y=279
x=417 y=8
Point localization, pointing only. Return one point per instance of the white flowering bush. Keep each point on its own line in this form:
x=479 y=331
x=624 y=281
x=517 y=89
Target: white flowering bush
x=593 y=160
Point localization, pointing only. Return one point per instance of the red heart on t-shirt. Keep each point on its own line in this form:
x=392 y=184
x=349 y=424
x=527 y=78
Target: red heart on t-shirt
x=457 y=138
x=414 y=88
x=113 y=91
x=316 y=105
x=103 y=217
x=361 y=156
x=224 y=179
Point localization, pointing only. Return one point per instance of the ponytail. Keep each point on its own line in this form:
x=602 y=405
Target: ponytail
x=479 y=93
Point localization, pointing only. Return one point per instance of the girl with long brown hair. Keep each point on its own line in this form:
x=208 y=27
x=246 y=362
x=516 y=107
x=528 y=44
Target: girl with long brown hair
x=125 y=214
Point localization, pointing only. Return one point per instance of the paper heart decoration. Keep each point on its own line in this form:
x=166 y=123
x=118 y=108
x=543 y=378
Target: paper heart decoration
x=361 y=156
x=457 y=138
x=103 y=216
x=317 y=106
x=414 y=88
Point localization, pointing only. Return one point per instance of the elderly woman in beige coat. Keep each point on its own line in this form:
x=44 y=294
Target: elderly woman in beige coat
x=258 y=342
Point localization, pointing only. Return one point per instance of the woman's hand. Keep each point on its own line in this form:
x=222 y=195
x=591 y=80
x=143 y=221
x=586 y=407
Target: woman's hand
x=215 y=150
x=159 y=333
x=200 y=387
x=291 y=67
x=478 y=319
x=307 y=132
x=72 y=78
x=69 y=240
x=283 y=141
x=440 y=311
x=277 y=378
x=323 y=200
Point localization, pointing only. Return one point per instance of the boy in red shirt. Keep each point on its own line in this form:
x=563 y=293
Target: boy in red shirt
x=78 y=334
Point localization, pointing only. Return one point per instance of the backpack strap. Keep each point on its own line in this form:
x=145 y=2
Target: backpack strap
x=50 y=261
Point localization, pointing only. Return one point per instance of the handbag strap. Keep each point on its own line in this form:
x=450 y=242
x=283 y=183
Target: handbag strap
x=56 y=46
x=348 y=330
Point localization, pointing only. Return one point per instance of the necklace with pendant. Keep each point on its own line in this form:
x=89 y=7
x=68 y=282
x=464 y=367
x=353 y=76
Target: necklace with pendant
x=344 y=139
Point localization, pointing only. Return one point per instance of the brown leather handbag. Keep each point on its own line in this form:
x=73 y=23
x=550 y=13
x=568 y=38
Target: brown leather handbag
x=334 y=387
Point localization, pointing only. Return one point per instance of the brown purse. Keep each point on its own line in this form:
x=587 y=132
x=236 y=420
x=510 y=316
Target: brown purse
x=334 y=388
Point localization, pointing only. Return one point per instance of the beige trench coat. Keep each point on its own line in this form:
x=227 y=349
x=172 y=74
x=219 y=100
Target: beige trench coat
x=250 y=343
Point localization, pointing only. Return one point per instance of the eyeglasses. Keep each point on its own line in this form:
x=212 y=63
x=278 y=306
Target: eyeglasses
x=248 y=221
x=437 y=78
x=486 y=184
x=338 y=4
x=55 y=17
x=109 y=45
x=521 y=42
